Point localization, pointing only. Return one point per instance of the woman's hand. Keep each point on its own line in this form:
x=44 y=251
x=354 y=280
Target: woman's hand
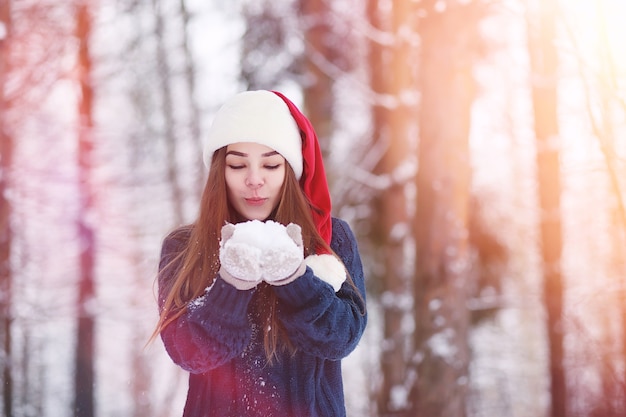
x=256 y=251
x=240 y=261
x=282 y=259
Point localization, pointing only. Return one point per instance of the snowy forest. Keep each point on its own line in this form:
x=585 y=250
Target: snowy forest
x=476 y=147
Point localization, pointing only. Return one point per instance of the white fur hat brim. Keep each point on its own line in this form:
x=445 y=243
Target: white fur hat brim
x=259 y=117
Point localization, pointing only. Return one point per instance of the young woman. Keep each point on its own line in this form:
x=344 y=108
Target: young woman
x=263 y=295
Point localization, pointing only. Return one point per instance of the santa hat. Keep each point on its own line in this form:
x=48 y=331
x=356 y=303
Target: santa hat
x=259 y=117
x=271 y=119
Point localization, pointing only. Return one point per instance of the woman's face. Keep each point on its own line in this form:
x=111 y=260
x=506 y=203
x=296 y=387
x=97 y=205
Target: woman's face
x=254 y=178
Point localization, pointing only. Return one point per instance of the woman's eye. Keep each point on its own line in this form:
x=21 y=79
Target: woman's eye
x=232 y=166
x=272 y=167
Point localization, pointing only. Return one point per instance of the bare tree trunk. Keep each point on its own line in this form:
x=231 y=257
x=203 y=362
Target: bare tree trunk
x=194 y=109
x=603 y=127
x=319 y=46
x=544 y=62
x=613 y=382
x=394 y=78
x=604 y=130
x=6 y=277
x=142 y=375
x=442 y=270
x=164 y=74
x=84 y=372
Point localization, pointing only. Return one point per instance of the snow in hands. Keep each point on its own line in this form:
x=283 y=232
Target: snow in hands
x=268 y=251
x=255 y=250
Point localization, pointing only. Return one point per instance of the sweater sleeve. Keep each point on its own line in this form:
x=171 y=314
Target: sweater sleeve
x=318 y=320
x=214 y=328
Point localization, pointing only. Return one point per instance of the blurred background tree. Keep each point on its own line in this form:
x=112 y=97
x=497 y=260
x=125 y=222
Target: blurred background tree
x=6 y=157
x=476 y=148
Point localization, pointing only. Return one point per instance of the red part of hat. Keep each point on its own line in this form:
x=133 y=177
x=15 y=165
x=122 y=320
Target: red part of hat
x=313 y=180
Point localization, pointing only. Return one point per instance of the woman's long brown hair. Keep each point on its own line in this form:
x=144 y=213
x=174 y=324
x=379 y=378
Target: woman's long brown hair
x=195 y=268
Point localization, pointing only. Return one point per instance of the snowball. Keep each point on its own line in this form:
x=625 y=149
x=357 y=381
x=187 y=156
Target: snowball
x=270 y=243
x=262 y=235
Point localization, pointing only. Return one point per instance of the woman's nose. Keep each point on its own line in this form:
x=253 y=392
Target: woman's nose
x=254 y=179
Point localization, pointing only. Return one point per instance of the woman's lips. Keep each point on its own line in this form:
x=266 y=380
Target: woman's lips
x=255 y=201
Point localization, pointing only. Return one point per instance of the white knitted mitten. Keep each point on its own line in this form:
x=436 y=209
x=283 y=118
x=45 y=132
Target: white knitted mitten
x=282 y=260
x=240 y=261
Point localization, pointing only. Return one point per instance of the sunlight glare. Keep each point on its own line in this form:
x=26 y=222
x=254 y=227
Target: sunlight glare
x=600 y=25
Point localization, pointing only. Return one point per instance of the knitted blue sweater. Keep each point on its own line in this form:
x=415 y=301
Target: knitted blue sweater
x=220 y=343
